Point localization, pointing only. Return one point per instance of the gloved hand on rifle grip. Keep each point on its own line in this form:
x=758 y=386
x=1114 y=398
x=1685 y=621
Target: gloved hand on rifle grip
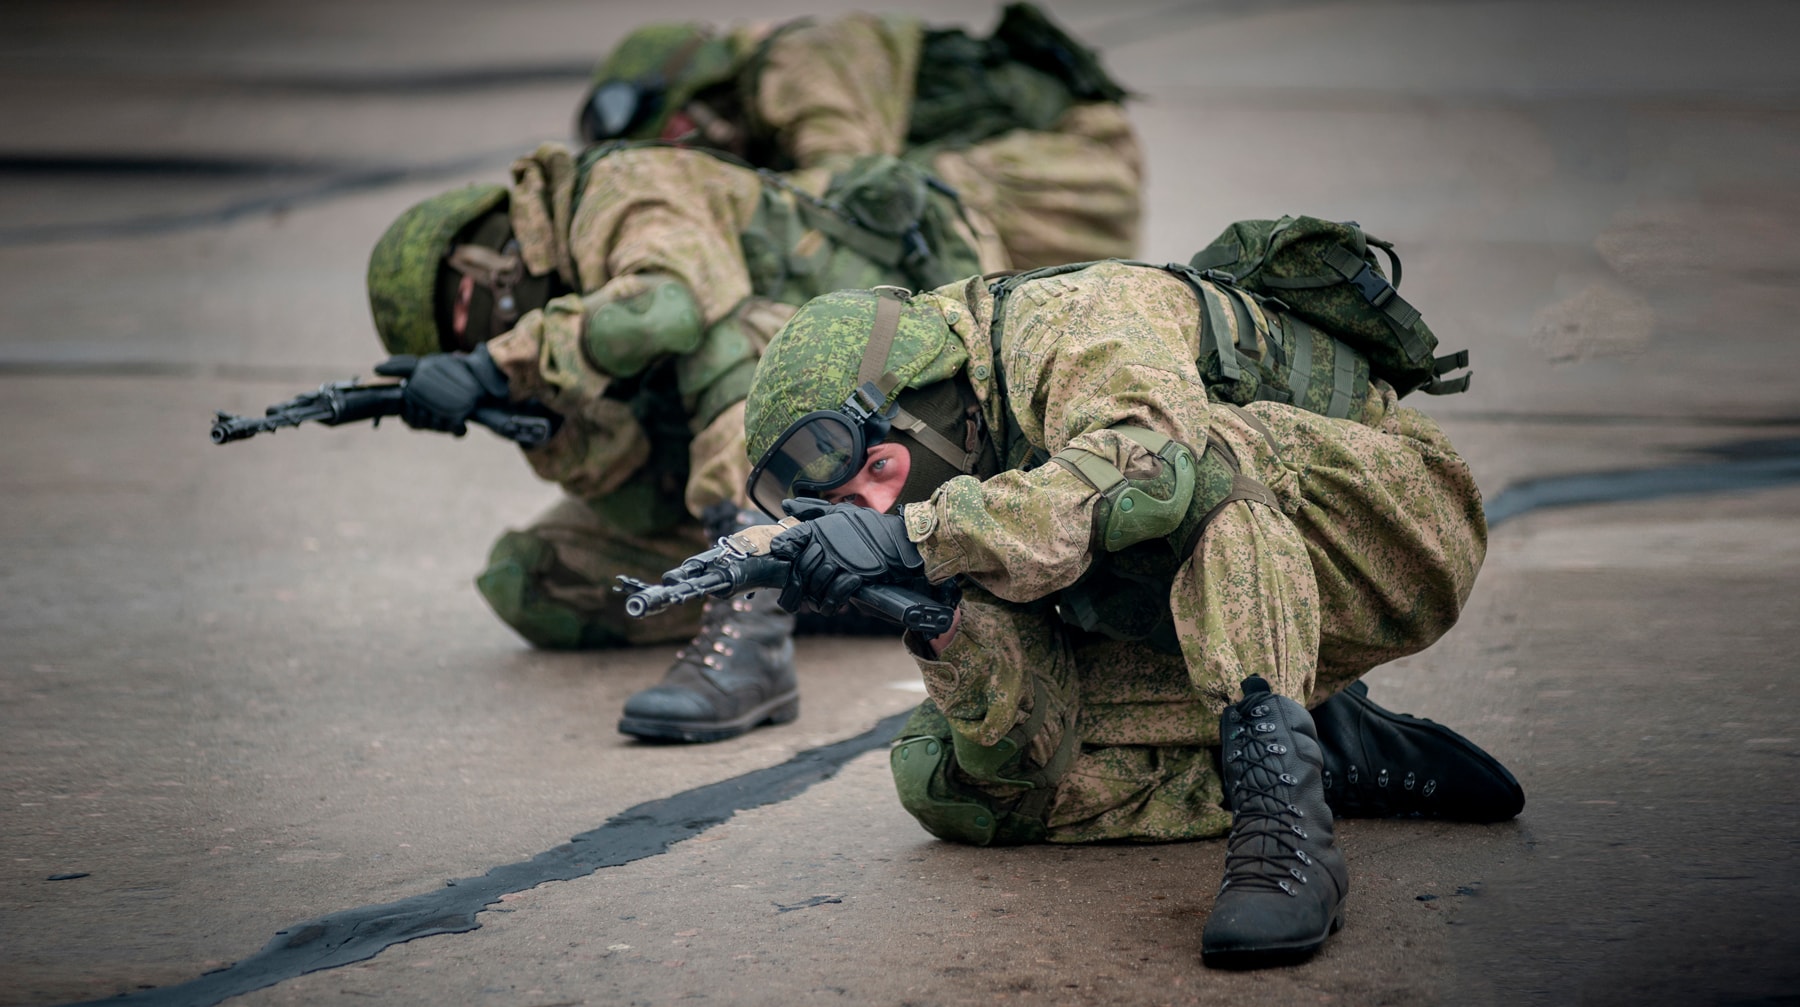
x=837 y=550
x=444 y=389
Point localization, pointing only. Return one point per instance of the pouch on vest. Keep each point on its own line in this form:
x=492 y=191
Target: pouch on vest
x=1327 y=274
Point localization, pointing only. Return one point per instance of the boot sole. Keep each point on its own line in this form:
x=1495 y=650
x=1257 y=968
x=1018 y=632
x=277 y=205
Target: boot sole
x=1270 y=955
x=780 y=710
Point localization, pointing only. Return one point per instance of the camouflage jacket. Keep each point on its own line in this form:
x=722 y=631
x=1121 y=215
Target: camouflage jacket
x=690 y=215
x=1081 y=353
x=828 y=91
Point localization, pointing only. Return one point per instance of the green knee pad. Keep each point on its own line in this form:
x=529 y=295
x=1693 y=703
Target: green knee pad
x=922 y=760
x=510 y=585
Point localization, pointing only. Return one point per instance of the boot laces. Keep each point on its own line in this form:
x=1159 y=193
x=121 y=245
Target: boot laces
x=1266 y=831
x=718 y=637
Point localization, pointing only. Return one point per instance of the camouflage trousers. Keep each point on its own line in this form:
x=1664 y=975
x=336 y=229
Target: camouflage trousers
x=1042 y=732
x=552 y=581
x=1072 y=193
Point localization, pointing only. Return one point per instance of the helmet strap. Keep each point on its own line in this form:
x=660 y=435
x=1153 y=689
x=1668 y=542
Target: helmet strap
x=498 y=271
x=889 y=302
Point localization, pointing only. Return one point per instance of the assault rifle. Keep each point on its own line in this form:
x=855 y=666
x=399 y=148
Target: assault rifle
x=338 y=402
x=741 y=563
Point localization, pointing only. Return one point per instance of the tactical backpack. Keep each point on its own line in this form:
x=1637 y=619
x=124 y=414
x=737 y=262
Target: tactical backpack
x=1326 y=274
x=1023 y=76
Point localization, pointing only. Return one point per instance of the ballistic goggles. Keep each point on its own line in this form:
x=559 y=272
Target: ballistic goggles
x=826 y=448
x=820 y=451
x=619 y=108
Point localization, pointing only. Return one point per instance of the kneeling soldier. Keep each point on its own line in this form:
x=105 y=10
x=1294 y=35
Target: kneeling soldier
x=630 y=291
x=1155 y=584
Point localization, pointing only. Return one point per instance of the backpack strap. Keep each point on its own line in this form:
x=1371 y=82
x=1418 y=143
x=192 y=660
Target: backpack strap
x=1440 y=366
x=1401 y=316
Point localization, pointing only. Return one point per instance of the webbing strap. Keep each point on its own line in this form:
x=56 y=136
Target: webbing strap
x=881 y=339
x=877 y=249
x=1343 y=381
x=1218 y=334
x=1216 y=256
x=1248 y=329
x=1101 y=474
x=1034 y=803
x=1400 y=315
x=937 y=443
x=1301 y=346
x=1090 y=468
x=1255 y=423
x=1440 y=385
x=1242 y=488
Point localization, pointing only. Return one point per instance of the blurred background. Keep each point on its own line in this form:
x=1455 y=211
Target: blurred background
x=246 y=686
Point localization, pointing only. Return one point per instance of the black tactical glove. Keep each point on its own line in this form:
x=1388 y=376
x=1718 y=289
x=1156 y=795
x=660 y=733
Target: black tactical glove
x=444 y=389
x=839 y=549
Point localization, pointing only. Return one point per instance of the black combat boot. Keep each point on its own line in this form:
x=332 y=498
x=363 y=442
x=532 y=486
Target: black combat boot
x=1380 y=764
x=1285 y=883
x=737 y=674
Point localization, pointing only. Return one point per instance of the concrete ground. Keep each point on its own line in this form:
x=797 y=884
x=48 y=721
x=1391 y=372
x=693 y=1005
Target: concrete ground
x=249 y=687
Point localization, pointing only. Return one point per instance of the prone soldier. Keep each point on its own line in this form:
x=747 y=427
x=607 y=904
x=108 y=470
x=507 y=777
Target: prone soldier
x=1025 y=124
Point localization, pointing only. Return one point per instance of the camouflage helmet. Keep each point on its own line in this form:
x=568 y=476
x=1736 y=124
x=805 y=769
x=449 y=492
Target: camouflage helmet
x=652 y=74
x=403 y=268
x=815 y=364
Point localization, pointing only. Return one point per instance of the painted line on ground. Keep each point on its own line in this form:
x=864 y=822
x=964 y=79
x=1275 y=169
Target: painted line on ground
x=643 y=830
x=1747 y=465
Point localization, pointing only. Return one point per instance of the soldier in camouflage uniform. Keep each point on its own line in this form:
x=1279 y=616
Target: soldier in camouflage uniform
x=1154 y=583
x=630 y=292
x=1024 y=124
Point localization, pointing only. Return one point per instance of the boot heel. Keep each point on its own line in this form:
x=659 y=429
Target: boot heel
x=785 y=713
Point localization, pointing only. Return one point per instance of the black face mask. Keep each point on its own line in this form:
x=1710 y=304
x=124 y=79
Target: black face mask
x=945 y=408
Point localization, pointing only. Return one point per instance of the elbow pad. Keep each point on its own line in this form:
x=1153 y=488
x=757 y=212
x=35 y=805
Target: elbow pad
x=1137 y=510
x=637 y=319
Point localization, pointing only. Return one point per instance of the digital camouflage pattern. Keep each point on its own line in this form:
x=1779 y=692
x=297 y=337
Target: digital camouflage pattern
x=1071 y=193
x=403 y=268
x=553 y=581
x=820 y=356
x=644 y=453
x=1372 y=551
x=1068 y=193
x=677 y=213
x=1309 y=264
x=822 y=92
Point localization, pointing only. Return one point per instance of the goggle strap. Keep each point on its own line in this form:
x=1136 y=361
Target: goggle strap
x=937 y=443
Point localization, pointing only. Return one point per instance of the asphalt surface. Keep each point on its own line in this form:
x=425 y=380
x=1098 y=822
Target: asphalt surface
x=248 y=693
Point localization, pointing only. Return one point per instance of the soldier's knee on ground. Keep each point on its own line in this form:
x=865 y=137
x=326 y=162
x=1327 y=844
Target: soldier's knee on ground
x=513 y=586
x=950 y=804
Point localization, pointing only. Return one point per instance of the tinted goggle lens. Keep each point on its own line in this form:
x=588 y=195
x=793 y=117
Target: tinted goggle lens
x=618 y=108
x=818 y=453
